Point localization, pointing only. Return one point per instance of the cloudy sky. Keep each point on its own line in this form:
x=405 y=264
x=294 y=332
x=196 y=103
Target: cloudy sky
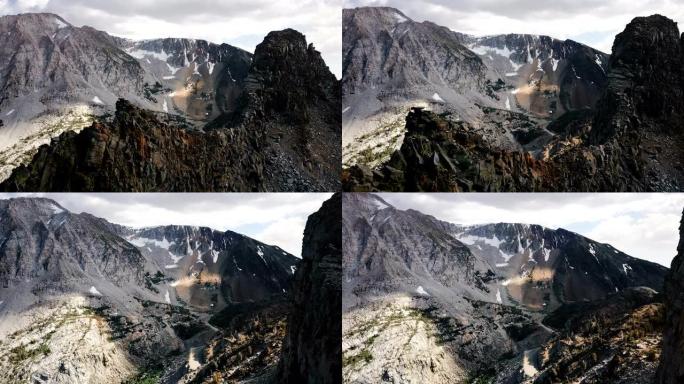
x=242 y=23
x=642 y=225
x=592 y=22
x=273 y=218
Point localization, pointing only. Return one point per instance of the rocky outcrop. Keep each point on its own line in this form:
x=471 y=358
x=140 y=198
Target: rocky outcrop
x=642 y=111
x=290 y=78
x=632 y=144
x=291 y=95
x=671 y=369
x=138 y=152
x=615 y=340
x=311 y=352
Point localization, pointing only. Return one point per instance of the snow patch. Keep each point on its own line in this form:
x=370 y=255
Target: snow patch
x=379 y=204
x=293 y=268
x=211 y=66
x=346 y=109
x=10 y=112
x=593 y=252
x=502 y=264
x=421 y=291
x=55 y=209
x=142 y=54
x=169 y=77
x=528 y=368
x=511 y=74
x=471 y=240
x=508 y=103
x=437 y=98
x=193 y=364
x=60 y=23
x=165 y=107
x=498 y=296
x=626 y=267
x=167 y=298
x=399 y=18
x=546 y=253
x=97 y=100
x=94 y=291
x=555 y=62
x=144 y=241
x=482 y=51
x=171 y=266
x=260 y=252
x=506 y=256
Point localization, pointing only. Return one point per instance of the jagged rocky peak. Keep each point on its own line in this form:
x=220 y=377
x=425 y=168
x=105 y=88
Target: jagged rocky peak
x=646 y=82
x=287 y=75
x=670 y=370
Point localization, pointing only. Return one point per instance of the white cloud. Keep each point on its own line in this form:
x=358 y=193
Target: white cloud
x=279 y=232
x=593 y=22
x=640 y=224
x=274 y=218
x=243 y=23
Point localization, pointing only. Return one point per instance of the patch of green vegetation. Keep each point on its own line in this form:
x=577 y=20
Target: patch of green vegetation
x=148 y=376
x=482 y=378
x=22 y=353
x=364 y=356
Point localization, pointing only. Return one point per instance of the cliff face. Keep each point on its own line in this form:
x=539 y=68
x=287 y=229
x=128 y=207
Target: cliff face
x=291 y=96
x=671 y=369
x=643 y=108
x=311 y=351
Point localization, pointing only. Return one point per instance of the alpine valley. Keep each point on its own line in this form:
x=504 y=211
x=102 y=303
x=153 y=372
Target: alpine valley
x=83 y=300
x=426 y=301
x=81 y=110
x=426 y=108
